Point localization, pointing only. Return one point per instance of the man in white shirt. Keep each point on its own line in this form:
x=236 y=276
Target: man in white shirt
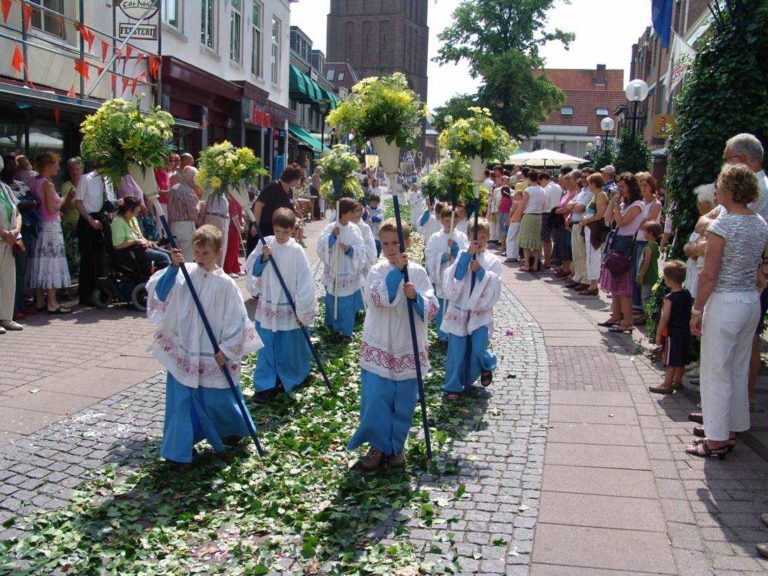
x=553 y=196
x=94 y=198
x=579 y=248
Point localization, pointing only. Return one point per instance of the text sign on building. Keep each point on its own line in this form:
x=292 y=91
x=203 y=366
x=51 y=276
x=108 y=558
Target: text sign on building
x=136 y=9
x=663 y=124
x=142 y=32
x=261 y=118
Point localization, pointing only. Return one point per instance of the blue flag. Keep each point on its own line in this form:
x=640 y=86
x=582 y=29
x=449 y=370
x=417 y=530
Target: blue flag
x=661 y=16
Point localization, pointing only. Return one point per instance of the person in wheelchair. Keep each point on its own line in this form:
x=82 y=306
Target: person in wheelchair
x=128 y=241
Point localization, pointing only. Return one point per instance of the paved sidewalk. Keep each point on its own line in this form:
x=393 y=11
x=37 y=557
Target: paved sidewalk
x=620 y=496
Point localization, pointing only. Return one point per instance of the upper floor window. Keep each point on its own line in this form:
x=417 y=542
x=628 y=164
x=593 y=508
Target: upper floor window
x=170 y=11
x=277 y=42
x=341 y=76
x=257 y=38
x=566 y=110
x=330 y=74
x=601 y=112
x=235 y=31
x=208 y=23
x=50 y=20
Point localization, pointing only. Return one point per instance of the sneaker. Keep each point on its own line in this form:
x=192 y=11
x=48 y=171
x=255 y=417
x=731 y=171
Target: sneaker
x=372 y=460
x=265 y=396
x=11 y=325
x=398 y=460
x=2 y=330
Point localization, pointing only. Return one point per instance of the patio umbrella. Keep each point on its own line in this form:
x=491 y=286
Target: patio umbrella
x=544 y=157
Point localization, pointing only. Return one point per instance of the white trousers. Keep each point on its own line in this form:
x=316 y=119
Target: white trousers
x=182 y=234
x=579 y=249
x=729 y=324
x=594 y=257
x=223 y=225
x=513 y=233
x=7 y=281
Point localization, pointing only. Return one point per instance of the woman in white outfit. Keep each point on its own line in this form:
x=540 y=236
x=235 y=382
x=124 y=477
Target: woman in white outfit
x=10 y=234
x=727 y=310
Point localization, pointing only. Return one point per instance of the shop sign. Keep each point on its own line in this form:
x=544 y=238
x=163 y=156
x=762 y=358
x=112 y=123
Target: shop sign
x=261 y=118
x=663 y=125
x=135 y=9
x=142 y=32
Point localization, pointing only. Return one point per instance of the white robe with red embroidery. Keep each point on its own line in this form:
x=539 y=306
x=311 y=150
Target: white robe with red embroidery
x=387 y=349
x=181 y=343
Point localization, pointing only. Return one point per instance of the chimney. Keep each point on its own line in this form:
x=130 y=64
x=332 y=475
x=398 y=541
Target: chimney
x=601 y=77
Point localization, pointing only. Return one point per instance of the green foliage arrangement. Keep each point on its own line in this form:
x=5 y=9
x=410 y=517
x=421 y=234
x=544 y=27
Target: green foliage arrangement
x=455 y=108
x=477 y=135
x=430 y=184
x=604 y=156
x=381 y=106
x=632 y=153
x=338 y=178
x=118 y=134
x=222 y=166
x=724 y=94
x=451 y=180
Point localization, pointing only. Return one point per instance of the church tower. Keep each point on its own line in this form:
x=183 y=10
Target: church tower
x=380 y=37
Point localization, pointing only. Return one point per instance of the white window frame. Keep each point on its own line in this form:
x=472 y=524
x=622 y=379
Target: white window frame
x=566 y=111
x=236 y=32
x=44 y=21
x=276 y=43
x=602 y=112
x=209 y=41
x=178 y=7
x=257 y=40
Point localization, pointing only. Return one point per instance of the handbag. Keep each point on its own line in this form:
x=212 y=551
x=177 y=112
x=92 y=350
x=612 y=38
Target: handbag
x=618 y=263
x=18 y=248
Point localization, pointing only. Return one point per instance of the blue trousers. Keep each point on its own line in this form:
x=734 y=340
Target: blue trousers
x=386 y=413
x=195 y=414
x=345 y=323
x=479 y=358
x=286 y=355
x=443 y=336
x=359 y=304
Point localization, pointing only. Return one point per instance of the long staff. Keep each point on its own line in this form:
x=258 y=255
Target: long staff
x=214 y=343
x=412 y=320
x=336 y=268
x=472 y=285
x=292 y=304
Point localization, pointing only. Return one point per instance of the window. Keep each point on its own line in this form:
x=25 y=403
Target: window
x=256 y=39
x=170 y=12
x=46 y=20
x=235 y=31
x=341 y=76
x=566 y=111
x=208 y=24
x=277 y=42
x=601 y=112
x=330 y=74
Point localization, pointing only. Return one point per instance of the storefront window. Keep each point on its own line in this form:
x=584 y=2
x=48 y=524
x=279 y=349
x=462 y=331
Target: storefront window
x=256 y=38
x=235 y=31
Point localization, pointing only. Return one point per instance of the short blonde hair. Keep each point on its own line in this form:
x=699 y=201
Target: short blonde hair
x=390 y=225
x=482 y=226
x=739 y=182
x=207 y=236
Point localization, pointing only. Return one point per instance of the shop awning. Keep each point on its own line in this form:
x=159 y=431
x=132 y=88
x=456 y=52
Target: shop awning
x=305 y=138
x=302 y=88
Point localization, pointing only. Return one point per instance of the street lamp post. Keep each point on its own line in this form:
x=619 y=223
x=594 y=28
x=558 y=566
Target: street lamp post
x=606 y=125
x=324 y=106
x=637 y=92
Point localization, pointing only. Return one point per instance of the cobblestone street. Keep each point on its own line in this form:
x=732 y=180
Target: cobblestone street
x=569 y=465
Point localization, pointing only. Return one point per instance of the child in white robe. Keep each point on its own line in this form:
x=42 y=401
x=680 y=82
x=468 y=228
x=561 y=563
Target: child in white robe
x=442 y=250
x=414 y=201
x=461 y=219
x=342 y=251
x=286 y=360
x=429 y=223
x=370 y=254
x=198 y=401
x=388 y=381
x=375 y=217
x=469 y=317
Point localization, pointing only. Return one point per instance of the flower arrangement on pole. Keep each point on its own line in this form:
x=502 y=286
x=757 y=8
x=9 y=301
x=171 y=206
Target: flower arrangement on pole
x=384 y=110
x=120 y=139
x=226 y=169
x=337 y=176
x=478 y=138
x=431 y=184
x=455 y=182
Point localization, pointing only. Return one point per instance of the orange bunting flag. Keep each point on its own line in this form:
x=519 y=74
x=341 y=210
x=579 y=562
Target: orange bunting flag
x=6 y=9
x=18 y=60
x=134 y=85
x=125 y=84
x=81 y=67
x=128 y=51
x=154 y=66
x=119 y=52
x=104 y=50
x=87 y=34
x=139 y=57
x=26 y=14
x=100 y=69
x=113 y=81
x=72 y=93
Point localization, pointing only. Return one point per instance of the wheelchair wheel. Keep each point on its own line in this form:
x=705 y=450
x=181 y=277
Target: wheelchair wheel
x=139 y=297
x=101 y=298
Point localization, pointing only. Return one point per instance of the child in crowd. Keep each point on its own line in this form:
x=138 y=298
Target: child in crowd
x=285 y=360
x=342 y=251
x=673 y=333
x=370 y=254
x=648 y=267
x=432 y=224
x=414 y=201
x=198 y=401
x=469 y=318
x=442 y=249
x=375 y=216
x=513 y=230
x=389 y=387
x=461 y=218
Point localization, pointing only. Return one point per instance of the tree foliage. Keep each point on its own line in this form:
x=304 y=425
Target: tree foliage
x=501 y=39
x=456 y=107
x=632 y=153
x=604 y=156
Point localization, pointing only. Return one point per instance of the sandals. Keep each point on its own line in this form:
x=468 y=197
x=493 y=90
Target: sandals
x=608 y=323
x=703 y=450
x=664 y=389
x=618 y=328
x=729 y=447
x=59 y=311
x=486 y=377
x=589 y=292
x=697 y=417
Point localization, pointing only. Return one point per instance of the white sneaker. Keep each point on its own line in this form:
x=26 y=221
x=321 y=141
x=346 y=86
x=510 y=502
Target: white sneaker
x=11 y=325
x=2 y=330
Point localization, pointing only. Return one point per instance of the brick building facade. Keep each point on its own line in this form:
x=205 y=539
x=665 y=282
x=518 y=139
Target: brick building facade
x=380 y=37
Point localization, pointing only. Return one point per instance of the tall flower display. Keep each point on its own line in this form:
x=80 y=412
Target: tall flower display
x=454 y=182
x=120 y=139
x=226 y=169
x=338 y=178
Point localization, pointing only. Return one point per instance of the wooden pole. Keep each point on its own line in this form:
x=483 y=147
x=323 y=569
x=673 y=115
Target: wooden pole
x=336 y=275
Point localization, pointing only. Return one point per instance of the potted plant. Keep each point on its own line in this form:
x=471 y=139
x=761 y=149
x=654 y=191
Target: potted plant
x=478 y=138
x=223 y=168
x=120 y=139
x=338 y=178
x=384 y=110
